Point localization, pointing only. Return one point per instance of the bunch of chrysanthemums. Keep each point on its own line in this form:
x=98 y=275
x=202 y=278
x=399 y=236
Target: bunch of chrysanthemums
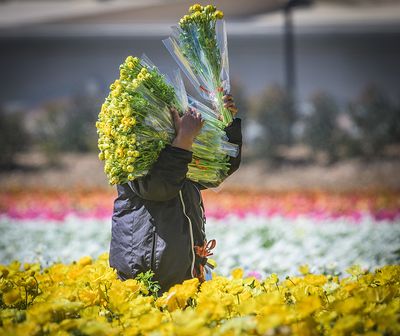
x=135 y=121
x=199 y=46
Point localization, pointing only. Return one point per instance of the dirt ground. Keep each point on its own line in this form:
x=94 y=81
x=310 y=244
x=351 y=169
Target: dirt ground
x=86 y=171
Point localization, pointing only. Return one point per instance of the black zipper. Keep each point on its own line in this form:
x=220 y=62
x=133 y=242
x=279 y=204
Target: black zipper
x=153 y=250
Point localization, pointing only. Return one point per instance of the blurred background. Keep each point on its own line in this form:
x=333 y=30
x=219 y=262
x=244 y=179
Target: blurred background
x=317 y=84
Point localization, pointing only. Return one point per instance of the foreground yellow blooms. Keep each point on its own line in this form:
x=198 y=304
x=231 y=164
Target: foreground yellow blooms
x=86 y=298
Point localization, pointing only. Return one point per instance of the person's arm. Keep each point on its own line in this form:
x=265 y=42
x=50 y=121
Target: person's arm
x=166 y=176
x=168 y=173
x=234 y=133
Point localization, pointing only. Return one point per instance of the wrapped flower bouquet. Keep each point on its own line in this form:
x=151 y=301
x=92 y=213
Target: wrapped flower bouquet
x=199 y=46
x=135 y=123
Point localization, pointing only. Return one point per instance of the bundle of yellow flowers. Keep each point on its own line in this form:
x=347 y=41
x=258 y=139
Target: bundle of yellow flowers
x=135 y=123
x=87 y=298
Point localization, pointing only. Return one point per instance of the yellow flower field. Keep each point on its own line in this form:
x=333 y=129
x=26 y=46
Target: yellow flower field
x=86 y=298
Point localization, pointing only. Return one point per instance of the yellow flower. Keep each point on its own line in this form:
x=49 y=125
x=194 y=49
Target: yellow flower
x=85 y=261
x=346 y=324
x=197 y=16
x=123 y=74
x=271 y=316
x=132 y=121
x=304 y=269
x=195 y=8
x=178 y=295
x=120 y=152
x=128 y=121
x=132 y=285
x=89 y=297
x=237 y=273
x=272 y=281
x=132 y=139
x=30 y=283
x=12 y=297
x=315 y=279
x=214 y=307
x=22 y=329
x=209 y=9
x=218 y=15
x=308 y=305
x=235 y=286
x=188 y=323
x=349 y=306
x=93 y=327
x=150 y=322
x=86 y=297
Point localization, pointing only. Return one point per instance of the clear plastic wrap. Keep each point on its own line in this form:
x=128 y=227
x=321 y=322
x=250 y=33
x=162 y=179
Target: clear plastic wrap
x=199 y=46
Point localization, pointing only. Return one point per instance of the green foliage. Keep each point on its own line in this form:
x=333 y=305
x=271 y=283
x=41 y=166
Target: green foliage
x=275 y=114
x=372 y=123
x=321 y=131
x=79 y=133
x=67 y=126
x=377 y=120
x=13 y=136
x=146 y=278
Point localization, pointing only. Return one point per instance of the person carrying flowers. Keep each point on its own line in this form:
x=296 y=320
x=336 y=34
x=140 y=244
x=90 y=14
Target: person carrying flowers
x=158 y=223
x=158 y=220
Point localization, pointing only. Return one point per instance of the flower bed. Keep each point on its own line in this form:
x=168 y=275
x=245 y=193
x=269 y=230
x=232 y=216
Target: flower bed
x=257 y=244
x=86 y=298
x=57 y=205
x=260 y=232
x=269 y=236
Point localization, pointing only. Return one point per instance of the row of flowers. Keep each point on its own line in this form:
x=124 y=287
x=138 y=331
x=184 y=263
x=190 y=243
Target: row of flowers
x=86 y=298
x=260 y=245
x=57 y=205
x=267 y=235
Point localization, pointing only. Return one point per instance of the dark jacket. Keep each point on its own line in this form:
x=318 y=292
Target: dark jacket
x=159 y=218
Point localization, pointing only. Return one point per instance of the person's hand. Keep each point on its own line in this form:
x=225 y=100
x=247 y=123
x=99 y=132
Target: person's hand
x=229 y=104
x=187 y=128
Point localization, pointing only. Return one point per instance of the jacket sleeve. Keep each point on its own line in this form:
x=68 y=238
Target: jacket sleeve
x=234 y=133
x=166 y=177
